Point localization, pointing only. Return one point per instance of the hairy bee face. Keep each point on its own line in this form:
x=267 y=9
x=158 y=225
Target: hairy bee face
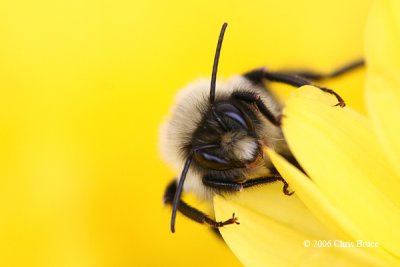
x=228 y=130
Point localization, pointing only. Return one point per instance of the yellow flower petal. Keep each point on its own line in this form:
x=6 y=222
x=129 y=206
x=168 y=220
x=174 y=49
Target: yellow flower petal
x=274 y=228
x=383 y=76
x=338 y=150
x=310 y=195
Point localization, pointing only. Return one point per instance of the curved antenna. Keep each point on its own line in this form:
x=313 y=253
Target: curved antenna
x=215 y=66
x=178 y=192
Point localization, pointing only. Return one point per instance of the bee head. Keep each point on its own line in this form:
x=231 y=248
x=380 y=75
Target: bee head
x=226 y=139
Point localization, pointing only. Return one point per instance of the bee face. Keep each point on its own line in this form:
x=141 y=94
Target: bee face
x=227 y=137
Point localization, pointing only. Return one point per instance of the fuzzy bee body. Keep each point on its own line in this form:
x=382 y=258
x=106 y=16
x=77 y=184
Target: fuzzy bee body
x=216 y=132
x=191 y=122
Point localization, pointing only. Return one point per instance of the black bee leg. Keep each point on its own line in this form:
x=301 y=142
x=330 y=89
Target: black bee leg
x=315 y=76
x=298 y=81
x=257 y=76
x=215 y=183
x=254 y=98
x=291 y=79
x=193 y=213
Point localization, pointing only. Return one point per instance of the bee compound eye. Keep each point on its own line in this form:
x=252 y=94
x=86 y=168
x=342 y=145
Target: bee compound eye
x=211 y=161
x=235 y=114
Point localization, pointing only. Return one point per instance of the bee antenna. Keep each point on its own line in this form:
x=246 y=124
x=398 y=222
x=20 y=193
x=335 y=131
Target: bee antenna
x=178 y=192
x=215 y=66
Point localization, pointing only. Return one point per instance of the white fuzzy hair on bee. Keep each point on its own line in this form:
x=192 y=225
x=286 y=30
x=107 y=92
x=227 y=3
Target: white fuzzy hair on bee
x=216 y=132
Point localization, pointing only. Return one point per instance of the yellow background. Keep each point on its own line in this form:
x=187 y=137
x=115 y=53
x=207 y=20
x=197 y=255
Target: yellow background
x=84 y=86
